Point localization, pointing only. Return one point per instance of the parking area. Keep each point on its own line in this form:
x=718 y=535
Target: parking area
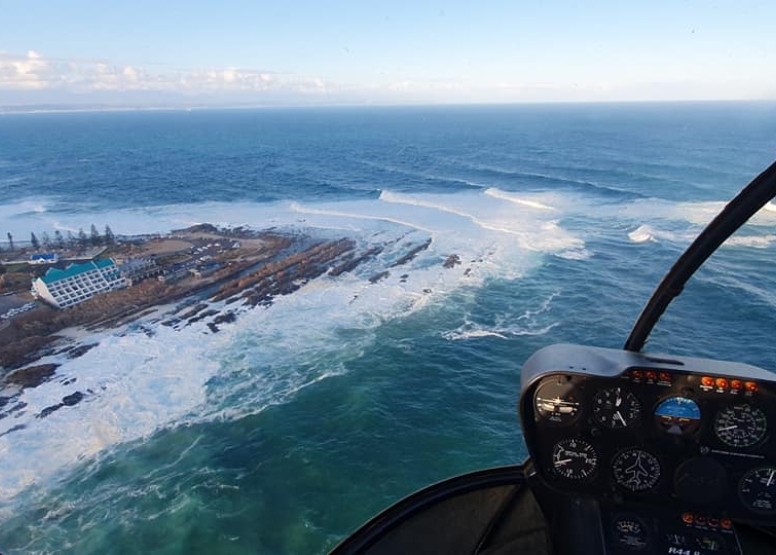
x=11 y=303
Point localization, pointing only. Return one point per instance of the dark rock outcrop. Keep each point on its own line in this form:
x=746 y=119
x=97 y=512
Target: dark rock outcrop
x=412 y=254
x=32 y=376
x=452 y=261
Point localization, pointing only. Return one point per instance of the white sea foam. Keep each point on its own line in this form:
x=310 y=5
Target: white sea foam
x=533 y=321
x=754 y=241
x=521 y=200
x=523 y=224
x=642 y=234
x=133 y=384
x=472 y=334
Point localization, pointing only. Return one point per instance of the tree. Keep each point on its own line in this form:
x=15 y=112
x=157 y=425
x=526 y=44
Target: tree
x=58 y=240
x=95 y=236
x=110 y=239
x=10 y=240
x=82 y=240
x=46 y=241
x=34 y=241
x=70 y=239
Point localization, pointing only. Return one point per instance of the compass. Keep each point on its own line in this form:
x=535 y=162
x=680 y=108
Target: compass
x=636 y=470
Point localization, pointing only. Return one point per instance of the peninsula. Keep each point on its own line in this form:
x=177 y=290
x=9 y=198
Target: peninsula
x=209 y=272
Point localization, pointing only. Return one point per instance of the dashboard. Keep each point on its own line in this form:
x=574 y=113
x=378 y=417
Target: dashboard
x=628 y=429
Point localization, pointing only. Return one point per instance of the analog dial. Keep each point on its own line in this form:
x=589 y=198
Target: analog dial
x=616 y=408
x=757 y=490
x=556 y=402
x=574 y=459
x=740 y=425
x=678 y=416
x=630 y=532
x=636 y=470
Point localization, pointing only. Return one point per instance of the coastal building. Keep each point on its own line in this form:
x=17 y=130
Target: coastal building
x=205 y=270
x=78 y=282
x=137 y=269
x=44 y=258
x=173 y=275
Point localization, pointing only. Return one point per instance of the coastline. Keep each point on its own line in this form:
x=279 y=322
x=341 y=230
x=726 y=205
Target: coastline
x=268 y=255
x=265 y=265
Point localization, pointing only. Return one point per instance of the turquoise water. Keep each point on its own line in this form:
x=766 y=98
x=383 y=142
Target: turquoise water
x=290 y=427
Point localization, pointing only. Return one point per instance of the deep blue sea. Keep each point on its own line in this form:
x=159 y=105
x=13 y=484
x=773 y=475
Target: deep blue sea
x=296 y=423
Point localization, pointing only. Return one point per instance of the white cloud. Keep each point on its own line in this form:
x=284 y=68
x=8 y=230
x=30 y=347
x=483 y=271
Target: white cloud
x=33 y=71
x=23 y=72
x=85 y=80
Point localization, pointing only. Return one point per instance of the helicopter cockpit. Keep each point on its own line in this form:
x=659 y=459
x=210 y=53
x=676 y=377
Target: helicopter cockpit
x=660 y=454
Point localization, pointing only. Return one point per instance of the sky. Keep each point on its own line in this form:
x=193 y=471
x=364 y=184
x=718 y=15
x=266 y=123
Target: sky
x=330 y=52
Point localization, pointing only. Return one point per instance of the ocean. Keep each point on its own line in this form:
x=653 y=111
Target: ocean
x=290 y=427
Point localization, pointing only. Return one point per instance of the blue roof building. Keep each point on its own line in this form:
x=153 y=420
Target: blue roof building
x=44 y=258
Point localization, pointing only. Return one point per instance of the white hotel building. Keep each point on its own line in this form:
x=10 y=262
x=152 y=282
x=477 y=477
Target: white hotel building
x=78 y=282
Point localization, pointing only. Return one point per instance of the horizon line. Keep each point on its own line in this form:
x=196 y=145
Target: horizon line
x=31 y=109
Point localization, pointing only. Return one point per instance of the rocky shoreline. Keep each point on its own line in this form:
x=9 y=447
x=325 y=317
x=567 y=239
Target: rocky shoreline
x=277 y=265
x=273 y=268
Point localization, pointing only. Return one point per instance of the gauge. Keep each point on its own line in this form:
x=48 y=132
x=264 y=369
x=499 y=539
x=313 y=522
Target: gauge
x=556 y=402
x=630 y=532
x=740 y=425
x=678 y=540
x=710 y=542
x=678 y=416
x=616 y=408
x=574 y=459
x=700 y=480
x=757 y=490
x=636 y=470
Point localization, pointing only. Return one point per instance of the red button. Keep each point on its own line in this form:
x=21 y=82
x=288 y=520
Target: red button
x=722 y=383
x=687 y=518
x=751 y=386
x=735 y=384
x=707 y=381
x=726 y=523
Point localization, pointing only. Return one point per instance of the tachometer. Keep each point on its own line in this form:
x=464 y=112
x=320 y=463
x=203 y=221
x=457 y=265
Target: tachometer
x=556 y=402
x=740 y=425
x=636 y=470
x=757 y=490
x=616 y=408
x=574 y=459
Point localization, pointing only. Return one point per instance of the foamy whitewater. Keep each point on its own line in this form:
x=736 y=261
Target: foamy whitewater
x=288 y=428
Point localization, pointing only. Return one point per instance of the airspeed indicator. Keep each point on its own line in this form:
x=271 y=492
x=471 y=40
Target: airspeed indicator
x=740 y=425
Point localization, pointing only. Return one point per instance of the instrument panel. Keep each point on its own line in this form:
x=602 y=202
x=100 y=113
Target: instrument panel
x=628 y=428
